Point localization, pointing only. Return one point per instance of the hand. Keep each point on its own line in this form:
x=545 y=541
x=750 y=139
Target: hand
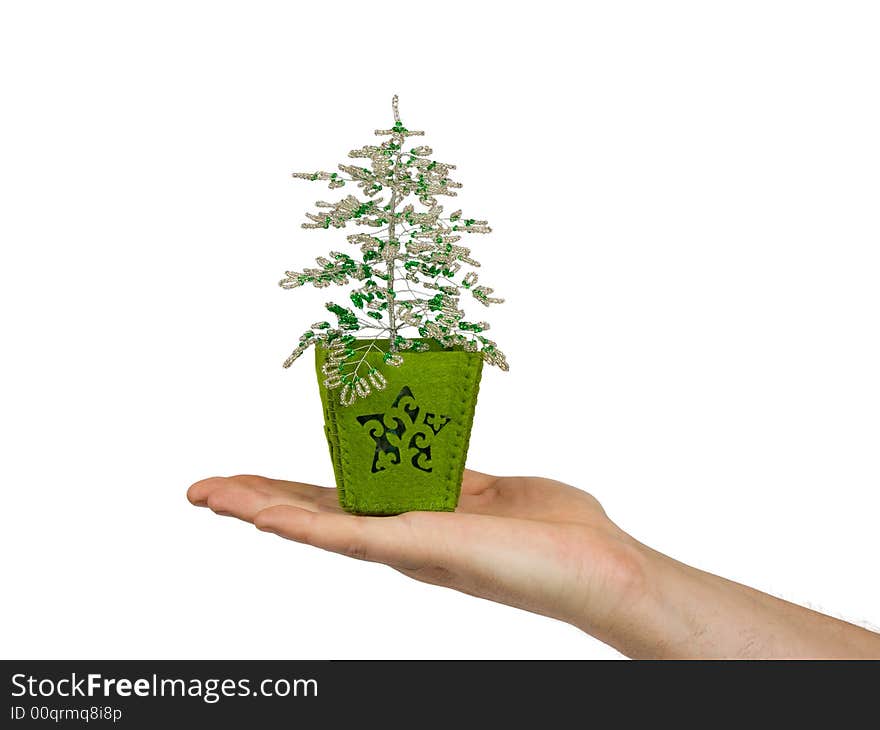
x=549 y=548
x=529 y=542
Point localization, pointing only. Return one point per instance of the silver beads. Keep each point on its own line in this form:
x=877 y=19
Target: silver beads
x=410 y=262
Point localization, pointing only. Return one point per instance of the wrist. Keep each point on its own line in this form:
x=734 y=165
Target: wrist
x=643 y=612
x=670 y=610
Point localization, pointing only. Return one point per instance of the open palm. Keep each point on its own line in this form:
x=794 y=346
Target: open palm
x=529 y=542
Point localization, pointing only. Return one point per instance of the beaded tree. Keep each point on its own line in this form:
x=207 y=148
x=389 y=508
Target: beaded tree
x=409 y=268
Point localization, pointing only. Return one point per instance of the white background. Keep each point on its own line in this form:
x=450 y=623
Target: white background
x=684 y=198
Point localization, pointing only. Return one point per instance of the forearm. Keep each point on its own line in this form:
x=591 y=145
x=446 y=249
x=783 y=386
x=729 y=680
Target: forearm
x=676 y=611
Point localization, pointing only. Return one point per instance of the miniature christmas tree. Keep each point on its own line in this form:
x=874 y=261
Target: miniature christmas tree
x=405 y=330
x=410 y=267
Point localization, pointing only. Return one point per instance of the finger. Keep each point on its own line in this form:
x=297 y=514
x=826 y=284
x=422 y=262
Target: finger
x=199 y=492
x=243 y=503
x=475 y=482
x=245 y=495
x=409 y=541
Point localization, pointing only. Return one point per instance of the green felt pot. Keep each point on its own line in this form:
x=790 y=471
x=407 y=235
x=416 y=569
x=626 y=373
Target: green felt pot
x=404 y=447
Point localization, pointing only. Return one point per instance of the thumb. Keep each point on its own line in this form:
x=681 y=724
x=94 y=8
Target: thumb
x=409 y=541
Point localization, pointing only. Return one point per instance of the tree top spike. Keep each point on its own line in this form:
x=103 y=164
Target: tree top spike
x=394 y=108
